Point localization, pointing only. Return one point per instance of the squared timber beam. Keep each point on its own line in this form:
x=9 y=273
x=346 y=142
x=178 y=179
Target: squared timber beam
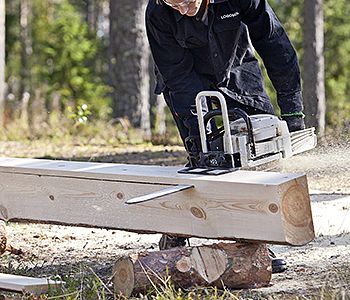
x=242 y=205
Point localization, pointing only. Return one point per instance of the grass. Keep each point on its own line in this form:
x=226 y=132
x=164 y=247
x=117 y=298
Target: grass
x=62 y=128
x=83 y=283
x=87 y=285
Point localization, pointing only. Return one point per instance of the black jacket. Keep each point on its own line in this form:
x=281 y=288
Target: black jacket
x=191 y=56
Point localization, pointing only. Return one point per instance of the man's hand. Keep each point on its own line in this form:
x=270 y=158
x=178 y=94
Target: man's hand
x=294 y=123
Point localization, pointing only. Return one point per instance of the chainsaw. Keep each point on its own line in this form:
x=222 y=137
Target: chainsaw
x=241 y=140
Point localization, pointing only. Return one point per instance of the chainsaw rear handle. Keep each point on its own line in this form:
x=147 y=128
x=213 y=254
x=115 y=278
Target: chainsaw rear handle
x=203 y=120
x=233 y=113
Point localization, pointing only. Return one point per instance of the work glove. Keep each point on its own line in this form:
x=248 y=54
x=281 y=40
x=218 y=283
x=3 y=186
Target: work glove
x=294 y=122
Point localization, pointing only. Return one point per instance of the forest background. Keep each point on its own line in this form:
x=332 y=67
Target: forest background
x=82 y=70
x=76 y=83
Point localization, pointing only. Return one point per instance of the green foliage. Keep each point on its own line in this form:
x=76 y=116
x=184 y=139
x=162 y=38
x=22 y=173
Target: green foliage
x=62 y=62
x=68 y=53
x=13 y=47
x=337 y=50
x=80 y=115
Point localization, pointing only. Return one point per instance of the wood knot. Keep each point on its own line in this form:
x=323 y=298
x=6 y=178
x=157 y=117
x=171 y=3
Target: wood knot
x=273 y=207
x=184 y=264
x=120 y=196
x=52 y=197
x=198 y=212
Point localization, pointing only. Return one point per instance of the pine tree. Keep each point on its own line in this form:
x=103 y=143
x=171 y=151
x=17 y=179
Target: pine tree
x=129 y=63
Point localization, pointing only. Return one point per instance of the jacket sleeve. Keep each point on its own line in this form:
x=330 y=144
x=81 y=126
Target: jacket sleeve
x=273 y=45
x=175 y=64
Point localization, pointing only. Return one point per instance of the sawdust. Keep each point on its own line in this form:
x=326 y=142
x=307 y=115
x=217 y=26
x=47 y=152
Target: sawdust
x=320 y=267
x=327 y=167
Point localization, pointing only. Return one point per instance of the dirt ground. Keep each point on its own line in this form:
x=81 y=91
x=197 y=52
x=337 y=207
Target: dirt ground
x=319 y=269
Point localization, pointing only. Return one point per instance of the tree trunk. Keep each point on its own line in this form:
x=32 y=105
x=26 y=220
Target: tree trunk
x=128 y=63
x=230 y=265
x=93 y=10
x=313 y=62
x=26 y=51
x=2 y=61
x=38 y=111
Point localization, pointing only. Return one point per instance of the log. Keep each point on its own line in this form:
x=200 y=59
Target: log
x=230 y=265
x=4 y=245
x=242 y=205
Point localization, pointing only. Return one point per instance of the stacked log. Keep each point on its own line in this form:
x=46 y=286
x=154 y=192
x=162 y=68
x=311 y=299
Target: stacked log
x=229 y=265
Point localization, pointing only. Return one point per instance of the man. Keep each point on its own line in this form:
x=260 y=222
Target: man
x=209 y=45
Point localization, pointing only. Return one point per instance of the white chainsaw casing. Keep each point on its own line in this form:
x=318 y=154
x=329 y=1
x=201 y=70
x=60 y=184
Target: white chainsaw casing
x=271 y=139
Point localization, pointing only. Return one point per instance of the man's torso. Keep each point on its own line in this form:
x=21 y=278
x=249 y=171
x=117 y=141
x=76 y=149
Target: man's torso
x=222 y=53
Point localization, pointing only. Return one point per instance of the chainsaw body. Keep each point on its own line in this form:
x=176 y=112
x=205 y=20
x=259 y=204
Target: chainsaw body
x=242 y=141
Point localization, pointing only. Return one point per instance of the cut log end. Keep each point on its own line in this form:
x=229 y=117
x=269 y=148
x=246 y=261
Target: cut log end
x=123 y=276
x=209 y=263
x=296 y=212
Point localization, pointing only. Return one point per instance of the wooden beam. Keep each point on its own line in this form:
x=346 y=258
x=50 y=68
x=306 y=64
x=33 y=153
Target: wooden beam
x=248 y=205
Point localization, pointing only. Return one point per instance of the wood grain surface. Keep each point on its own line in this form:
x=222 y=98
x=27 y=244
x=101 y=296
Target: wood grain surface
x=259 y=206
